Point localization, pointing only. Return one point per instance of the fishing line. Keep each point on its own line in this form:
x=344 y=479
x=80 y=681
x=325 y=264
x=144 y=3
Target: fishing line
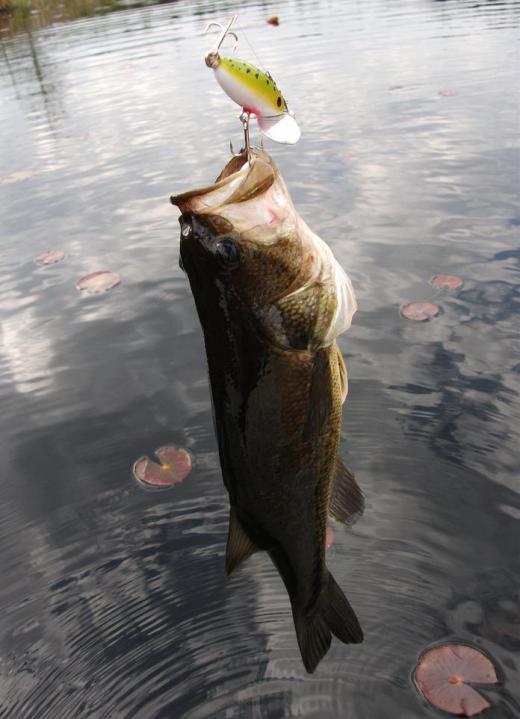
x=238 y=26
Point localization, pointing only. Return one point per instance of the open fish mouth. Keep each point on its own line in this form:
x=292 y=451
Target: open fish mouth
x=251 y=200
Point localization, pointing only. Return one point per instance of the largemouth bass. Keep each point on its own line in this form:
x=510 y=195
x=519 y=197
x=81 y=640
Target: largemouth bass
x=271 y=300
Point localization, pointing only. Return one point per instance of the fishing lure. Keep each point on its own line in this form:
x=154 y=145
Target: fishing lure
x=255 y=91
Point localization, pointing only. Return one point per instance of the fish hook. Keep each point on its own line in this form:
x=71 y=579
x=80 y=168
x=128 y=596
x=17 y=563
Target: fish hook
x=225 y=32
x=244 y=119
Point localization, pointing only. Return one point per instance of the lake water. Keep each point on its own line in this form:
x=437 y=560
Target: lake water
x=114 y=601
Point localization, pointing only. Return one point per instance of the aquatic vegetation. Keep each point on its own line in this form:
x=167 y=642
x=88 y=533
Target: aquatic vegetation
x=444 y=675
x=16 y=15
x=446 y=282
x=97 y=282
x=175 y=465
x=420 y=311
x=51 y=257
x=273 y=20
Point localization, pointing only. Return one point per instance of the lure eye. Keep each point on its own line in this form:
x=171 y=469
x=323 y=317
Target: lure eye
x=227 y=253
x=186 y=228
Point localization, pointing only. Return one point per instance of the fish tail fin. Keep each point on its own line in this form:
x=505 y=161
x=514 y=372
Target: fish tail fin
x=341 y=618
x=332 y=615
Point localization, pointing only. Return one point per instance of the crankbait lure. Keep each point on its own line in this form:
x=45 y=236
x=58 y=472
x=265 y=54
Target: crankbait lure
x=255 y=91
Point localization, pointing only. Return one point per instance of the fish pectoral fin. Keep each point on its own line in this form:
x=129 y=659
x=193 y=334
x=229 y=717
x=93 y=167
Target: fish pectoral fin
x=343 y=379
x=347 y=502
x=239 y=545
x=320 y=396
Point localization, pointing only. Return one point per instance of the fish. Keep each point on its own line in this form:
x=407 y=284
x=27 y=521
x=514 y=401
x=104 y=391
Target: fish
x=272 y=299
x=258 y=94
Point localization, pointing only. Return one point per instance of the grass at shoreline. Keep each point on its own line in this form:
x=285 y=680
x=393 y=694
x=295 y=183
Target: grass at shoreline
x=19 y=15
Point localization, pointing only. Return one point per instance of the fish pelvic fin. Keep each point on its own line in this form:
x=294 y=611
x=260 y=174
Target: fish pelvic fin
x=332 y=615
x=347 y=502
x=239 y=546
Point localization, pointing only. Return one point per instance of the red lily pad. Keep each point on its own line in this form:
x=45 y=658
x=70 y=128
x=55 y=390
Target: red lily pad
x=97 y=282
x=175 y=465
x=446 y=282
x=51 y=257
x=419 y=311
x=444 y=675
x=329 y=538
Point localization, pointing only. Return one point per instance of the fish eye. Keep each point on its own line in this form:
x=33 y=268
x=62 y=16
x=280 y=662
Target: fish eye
x=186 y=228
x=227 y=253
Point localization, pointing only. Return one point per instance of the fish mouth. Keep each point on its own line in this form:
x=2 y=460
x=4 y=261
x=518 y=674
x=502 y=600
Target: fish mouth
x=201 y=199
x=248 y=194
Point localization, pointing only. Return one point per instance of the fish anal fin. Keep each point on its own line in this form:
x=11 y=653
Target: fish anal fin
x=347 y=502
x=239 y=545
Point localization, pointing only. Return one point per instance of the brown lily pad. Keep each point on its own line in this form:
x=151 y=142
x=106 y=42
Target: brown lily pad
x=273 y=20
x=446 y=282
x=51 y=257
x=97 y=282
x=419 y=311
x=175 y=465
x=444 y=676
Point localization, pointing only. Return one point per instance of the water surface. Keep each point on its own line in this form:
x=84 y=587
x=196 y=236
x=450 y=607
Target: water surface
x=114 y=601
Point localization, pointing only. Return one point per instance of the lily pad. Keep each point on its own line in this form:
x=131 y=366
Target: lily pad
x=446 y=282
x=97 y=282
x=273 y=20
x=175 y=465
x=444 y=676
x=420 y=311
x=51 y=257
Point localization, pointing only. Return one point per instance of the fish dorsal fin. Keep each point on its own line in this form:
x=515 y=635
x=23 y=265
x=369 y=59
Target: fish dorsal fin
x=347 y=502
x=239 y=545
x=343 y=379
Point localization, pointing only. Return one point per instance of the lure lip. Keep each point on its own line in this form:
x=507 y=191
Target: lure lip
x=281 y=128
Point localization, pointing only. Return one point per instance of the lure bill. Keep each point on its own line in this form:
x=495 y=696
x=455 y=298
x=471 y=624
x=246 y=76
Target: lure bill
x=255 y=92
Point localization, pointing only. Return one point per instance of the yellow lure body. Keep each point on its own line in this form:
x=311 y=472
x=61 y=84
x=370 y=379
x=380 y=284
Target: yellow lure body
x=249 y=87
x=258 y=94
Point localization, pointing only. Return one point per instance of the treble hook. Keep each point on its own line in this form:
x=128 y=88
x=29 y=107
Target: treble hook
x=244 y=119
x=225 y=32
